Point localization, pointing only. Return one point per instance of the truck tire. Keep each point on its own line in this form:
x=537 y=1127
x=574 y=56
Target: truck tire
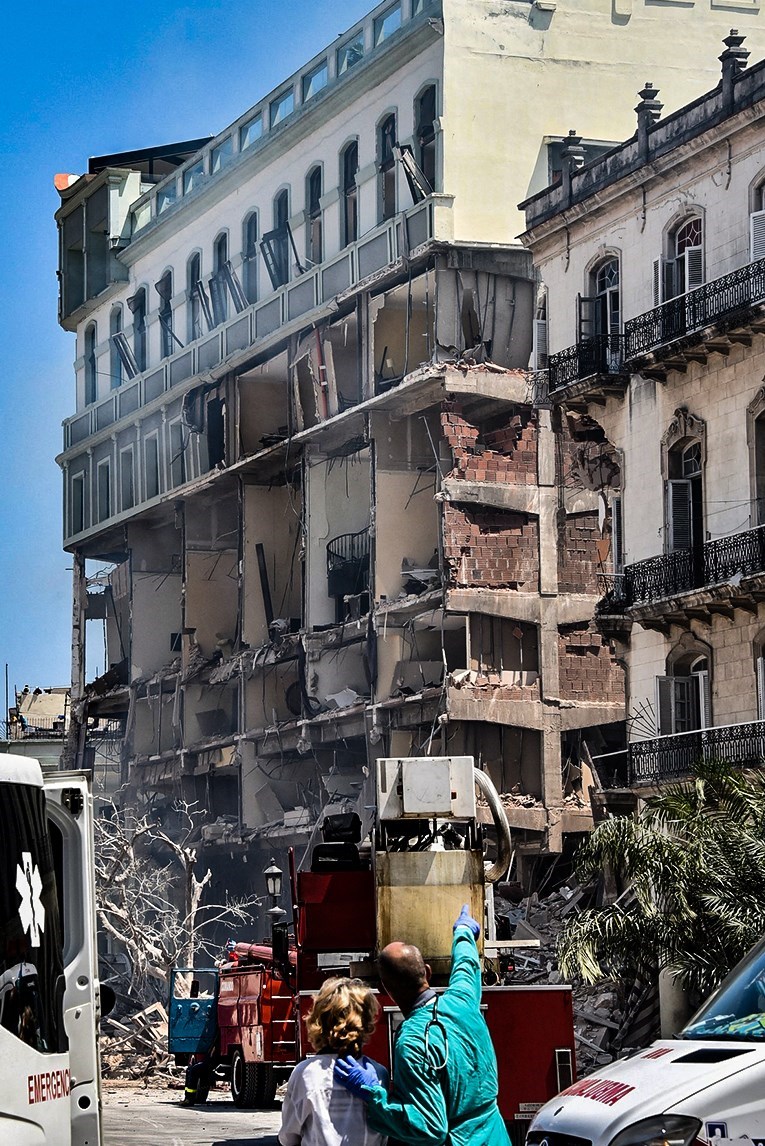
x=265 y=1087
x=244 y=1080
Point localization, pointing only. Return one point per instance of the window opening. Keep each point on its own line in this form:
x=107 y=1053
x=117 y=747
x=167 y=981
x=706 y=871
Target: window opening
x=137 y=304
x=91 y=380
x=193 y=177
x=127 y=479
x=350 y=193
x=683 y=271
x=281 y=107
x=199 y=303
x=685 y=506
x=77 y=507
x=221 y=155
x=314 y=81
x=350 y=54
x=250 y=132
x=104 y=493
x=387 y=24
x=757 y=225
x=426 y=135
x=125 y=352
x=277 y=244
x=164 y=289
x=177 y=454
x=151 y=466
x=759 y=666
x=683 y=698
x=314 y=219
x=218 y=281
x=759 y=467
x=115 y=358
x=250 y=259
x=387 y=167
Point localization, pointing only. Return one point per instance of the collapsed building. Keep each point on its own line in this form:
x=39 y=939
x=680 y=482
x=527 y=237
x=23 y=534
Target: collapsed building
x=333 y=513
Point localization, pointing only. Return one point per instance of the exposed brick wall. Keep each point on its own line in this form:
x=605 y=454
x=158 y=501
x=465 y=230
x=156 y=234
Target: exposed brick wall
x=578 y=554
x=504 y=450
x=588 y=670
x=490 y=547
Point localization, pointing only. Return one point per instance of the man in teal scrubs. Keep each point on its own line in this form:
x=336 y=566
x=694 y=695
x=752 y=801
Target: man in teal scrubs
x=444 y=1065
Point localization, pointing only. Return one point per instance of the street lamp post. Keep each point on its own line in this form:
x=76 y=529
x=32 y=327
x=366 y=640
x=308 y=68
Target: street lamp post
x=274 y=876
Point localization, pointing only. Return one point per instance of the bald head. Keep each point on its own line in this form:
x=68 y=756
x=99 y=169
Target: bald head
x=404 y=973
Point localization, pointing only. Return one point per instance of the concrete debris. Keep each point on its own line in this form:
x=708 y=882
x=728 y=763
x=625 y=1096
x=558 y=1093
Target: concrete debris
x=597 y=1013
x=136 y=1047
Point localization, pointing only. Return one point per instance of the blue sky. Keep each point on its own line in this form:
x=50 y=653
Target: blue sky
x=89 y=79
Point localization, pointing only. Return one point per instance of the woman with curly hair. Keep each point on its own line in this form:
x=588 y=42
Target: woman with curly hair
x=316 y=1110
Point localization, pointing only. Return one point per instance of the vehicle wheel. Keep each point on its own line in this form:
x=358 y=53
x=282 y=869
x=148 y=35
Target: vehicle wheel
x=265 y=1087
x=243 y=1081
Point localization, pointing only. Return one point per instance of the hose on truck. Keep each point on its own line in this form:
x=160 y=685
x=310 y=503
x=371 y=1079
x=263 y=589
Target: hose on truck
x=504 y=843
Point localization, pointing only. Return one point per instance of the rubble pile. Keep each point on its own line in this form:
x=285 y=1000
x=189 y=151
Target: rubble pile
x=597 y=1013
x=135 y=1047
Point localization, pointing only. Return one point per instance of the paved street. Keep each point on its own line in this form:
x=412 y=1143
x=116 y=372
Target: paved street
x=137 y=1117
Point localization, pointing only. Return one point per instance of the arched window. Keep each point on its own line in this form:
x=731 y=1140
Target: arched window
x=684 y=694
x=685 y=504
x=686 y=257
x=115 y=361
x=426 y=134
x=349 y=167
x=386 y=142
x=250 y=256
x=313 y=216
x=281 y=244
x=757 y=222
x=218 y=281
x=91 y=376
x=164 y=289
x=137 y=305
x=194 y=296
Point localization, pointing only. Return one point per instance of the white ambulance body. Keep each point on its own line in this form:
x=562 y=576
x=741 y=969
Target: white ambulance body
x=49 y=991
x=706 y=1086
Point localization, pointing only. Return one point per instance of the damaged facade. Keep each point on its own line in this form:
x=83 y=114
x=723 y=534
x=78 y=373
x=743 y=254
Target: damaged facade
x=654 y=258
x=337 y=516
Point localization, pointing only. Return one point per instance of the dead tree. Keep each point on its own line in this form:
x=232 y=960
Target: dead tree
x=150 y=899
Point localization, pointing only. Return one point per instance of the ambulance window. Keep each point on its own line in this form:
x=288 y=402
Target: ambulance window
x=737 y=1009
x=31 y=957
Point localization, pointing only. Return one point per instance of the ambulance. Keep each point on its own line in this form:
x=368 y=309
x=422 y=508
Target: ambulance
x=705 y=1086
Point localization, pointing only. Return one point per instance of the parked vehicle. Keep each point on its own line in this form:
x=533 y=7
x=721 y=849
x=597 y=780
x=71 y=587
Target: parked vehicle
x=424 y=862
x=704 y=1086
x=49 y=991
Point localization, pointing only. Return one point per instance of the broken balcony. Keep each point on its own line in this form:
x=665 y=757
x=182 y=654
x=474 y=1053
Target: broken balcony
x=597 y=361
x=736 y=562
x=706 y=320
x=675 y=757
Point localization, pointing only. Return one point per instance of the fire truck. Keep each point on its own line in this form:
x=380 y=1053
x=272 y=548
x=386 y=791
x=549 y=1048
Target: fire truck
x=409 y=879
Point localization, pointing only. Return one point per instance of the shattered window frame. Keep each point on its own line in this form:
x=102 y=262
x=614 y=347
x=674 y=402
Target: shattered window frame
x=116 y=367
x=151 y=441
x=315 y=81
x=91 y=364
x=350 y=54
x=127 y=478
x=166 y=197
x=103 y=490
x=250 y=246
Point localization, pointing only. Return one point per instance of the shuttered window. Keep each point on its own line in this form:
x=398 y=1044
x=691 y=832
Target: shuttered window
x=679 y=513
x=757 y=235
x=760 y=663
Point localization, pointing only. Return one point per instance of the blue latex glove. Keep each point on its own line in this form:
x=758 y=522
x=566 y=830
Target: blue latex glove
x=356 y=1076
x=465 y=919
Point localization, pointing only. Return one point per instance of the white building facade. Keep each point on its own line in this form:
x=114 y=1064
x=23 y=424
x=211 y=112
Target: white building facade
x=653 y=262
x=338 y=519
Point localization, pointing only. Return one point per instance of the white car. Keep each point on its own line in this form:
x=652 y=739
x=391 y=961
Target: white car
x=705 y=1086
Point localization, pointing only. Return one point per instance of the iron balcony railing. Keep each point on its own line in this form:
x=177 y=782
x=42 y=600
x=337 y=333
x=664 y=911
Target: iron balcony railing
x=675 y=757
x=741 y=554
x=600 y=354
x=718 y=301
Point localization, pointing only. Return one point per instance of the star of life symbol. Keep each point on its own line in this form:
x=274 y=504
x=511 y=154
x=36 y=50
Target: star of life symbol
x=29 y=886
